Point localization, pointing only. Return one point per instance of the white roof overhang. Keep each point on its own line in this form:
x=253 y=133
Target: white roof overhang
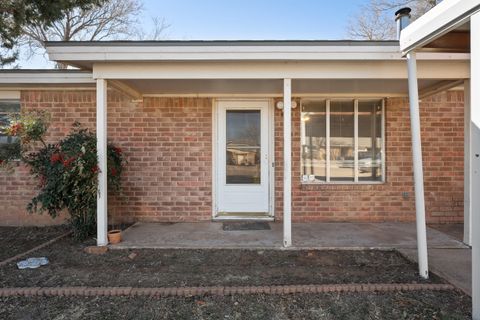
x=241 y=67
x=85 y=54
x=22 y=78
x=447 y=16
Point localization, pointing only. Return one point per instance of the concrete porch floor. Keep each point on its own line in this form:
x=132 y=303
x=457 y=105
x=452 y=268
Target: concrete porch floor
x=448 y=257
x=209 y=235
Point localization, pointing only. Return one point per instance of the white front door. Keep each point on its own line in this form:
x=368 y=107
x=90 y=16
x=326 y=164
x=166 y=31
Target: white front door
x=243 y=159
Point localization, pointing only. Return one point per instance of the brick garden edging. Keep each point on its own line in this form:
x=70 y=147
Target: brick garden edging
x=43 y=245
x=198 y=291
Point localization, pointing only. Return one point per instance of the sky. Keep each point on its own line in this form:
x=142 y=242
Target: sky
x=245 y=20
x=255 y=19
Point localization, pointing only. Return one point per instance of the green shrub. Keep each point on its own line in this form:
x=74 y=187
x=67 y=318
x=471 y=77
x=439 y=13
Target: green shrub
x=67 y=171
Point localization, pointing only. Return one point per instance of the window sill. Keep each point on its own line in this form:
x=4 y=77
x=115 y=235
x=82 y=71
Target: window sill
x=340 y=185
x=341 y=182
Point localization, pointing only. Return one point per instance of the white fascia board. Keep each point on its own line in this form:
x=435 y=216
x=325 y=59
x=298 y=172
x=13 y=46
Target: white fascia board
x=444 y=17
x=105 y=53
x=39 y=77
x=435 y=69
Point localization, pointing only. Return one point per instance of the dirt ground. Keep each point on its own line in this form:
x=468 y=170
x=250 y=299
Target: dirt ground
x=71 y=266
x=16 y=240
x=355 y=306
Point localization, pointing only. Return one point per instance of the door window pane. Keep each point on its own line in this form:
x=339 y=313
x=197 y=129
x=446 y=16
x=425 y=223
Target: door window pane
x=314 y=140
x=342 y=160
x=243 y=146
x=370 y=140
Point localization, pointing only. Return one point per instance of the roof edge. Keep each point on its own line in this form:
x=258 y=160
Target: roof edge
x=197 y=43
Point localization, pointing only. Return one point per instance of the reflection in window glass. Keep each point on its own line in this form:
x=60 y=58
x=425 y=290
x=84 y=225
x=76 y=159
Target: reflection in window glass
x=341 y=141
x=243 y=147
x=370 y=140
x=342 y=158
x=7 y=109
x=314 y=147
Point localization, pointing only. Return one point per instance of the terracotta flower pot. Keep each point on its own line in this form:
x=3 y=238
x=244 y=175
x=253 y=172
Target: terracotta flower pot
x=114 y=236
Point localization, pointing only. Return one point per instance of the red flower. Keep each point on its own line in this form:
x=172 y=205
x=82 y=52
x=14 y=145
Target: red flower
x=1 y=162
x=56 y=157
x=113 y=171
x=15 y=128
x=117 y=150
x=95 y=169
x=68 y=162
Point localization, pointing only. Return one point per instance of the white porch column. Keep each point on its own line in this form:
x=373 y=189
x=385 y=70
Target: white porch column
x=102 y=218
x=475 y=164
x=287 y=162
x=467 y=171
x=417 y=165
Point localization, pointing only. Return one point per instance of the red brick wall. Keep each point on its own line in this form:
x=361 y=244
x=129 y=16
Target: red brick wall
x=18 y=187
x=167 y=142
x=442 y=138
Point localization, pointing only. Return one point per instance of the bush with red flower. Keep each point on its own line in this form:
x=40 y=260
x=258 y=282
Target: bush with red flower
x=67 y=171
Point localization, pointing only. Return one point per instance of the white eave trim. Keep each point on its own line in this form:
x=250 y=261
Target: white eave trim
x=105 y=53
x=45 y=77
x=446 y=16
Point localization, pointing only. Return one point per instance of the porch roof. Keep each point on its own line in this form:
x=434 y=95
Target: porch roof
x=445 y=28
x=86 y=54
x=230 y=68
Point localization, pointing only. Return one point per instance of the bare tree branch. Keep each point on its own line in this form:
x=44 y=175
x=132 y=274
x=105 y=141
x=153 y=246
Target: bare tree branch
x=157 y=31
x=114 y=20
x=376 y=21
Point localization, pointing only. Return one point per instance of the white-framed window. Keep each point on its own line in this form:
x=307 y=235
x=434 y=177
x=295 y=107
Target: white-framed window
x=342 y=141
x=8 y=107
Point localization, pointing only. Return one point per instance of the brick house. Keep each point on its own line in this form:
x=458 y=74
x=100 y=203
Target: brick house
x=206 y=127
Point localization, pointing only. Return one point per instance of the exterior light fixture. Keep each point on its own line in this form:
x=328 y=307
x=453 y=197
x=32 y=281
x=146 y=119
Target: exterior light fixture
x=279 y=104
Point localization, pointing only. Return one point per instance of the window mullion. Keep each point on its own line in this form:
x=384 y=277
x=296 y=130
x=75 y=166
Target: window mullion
x=327 y=135
x=355 y=129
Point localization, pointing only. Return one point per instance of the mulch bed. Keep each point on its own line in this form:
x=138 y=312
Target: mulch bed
x=15 y=240
x=355 y=306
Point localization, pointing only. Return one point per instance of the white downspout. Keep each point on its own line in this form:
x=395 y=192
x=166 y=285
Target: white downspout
x=287 y=162
x=403 y=19
x=102 y=218
x=475 y=164
x=417 y=165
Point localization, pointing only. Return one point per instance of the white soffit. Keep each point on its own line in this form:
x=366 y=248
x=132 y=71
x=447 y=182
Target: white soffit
x=269 y=87
x=446 y=16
